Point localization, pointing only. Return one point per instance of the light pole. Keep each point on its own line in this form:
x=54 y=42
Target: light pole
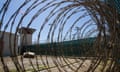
x=77 y=32
x=74 y=36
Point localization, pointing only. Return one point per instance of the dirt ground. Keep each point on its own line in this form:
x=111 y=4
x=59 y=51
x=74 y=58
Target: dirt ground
x=46 y=63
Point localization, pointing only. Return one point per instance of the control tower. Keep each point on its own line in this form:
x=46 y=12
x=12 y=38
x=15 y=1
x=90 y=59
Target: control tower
x=26 y=35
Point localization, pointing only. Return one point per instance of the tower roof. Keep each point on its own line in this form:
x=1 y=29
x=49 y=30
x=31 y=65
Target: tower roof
x=25 y=30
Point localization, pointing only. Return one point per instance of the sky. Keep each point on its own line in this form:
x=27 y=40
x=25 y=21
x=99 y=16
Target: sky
x=58 y=18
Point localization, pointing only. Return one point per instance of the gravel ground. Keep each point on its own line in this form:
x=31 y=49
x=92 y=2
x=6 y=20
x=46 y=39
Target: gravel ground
x=55 y=64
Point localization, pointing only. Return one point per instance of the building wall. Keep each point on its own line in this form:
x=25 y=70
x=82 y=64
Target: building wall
x=26 y=39
x=9 y=44
x=1 y=46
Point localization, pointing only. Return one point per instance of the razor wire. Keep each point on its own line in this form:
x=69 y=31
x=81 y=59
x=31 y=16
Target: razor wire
x=87 y=18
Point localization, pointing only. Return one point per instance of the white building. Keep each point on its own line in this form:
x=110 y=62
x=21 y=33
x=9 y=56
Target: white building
x=9 y=41
x=8 y=44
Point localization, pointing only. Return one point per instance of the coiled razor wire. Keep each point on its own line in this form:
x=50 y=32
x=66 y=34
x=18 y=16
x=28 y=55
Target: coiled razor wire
x=64 y=23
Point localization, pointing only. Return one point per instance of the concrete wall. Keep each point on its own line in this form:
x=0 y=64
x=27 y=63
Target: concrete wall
x=1 y=46
x=9 y=44
x=26 y=39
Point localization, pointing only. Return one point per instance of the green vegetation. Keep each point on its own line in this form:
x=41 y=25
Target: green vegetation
x=13 y=70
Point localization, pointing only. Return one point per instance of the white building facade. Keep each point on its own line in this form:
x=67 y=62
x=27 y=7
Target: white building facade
x=8 y=44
